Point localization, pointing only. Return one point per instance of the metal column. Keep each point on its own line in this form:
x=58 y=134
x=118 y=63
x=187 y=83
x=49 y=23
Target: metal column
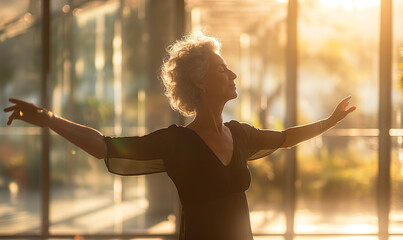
x=291 y=114
x=45 y=181
x=385 y=113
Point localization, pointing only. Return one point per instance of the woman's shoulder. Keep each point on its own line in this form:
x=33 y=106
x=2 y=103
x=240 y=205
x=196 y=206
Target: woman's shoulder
x=240 y=129
x=178 y=130
x=242 y=126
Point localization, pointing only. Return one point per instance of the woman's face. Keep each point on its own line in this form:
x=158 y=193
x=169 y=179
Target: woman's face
x=220 y=84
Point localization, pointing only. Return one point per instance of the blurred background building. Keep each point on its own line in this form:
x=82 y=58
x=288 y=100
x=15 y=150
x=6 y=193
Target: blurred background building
x=97 y=62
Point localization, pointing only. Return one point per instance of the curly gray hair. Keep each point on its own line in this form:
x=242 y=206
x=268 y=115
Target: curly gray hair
x=185 y=65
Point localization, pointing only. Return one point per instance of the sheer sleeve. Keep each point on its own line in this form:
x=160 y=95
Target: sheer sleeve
x=139 y=155
x=261 y=142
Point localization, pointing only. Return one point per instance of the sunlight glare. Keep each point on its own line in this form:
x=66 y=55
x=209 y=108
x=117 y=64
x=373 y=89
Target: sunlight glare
x=339 y=238
x=13 y=188
x=350 y=4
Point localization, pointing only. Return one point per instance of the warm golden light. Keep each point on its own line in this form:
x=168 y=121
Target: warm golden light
x=66 y=8
x=27 y=17
x=350 y=4
x=13 y=187
x=195 y=16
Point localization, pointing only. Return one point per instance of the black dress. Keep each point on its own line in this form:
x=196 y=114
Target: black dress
x=214 y=205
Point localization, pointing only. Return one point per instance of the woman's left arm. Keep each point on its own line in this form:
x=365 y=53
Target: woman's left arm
x=302 y=133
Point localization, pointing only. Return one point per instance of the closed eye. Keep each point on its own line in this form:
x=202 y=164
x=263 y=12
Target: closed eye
x=222 y=68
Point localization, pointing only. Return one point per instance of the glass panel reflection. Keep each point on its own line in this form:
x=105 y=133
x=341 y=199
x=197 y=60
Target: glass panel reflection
x=20 y=144
x=338 y=238
x=266 y=194
x=20 y=176
x=336 y=185
x=396 y=211
x=268 y=238
x=397 y=65
x=396 y=238
x=338 y=45
x=101 y=79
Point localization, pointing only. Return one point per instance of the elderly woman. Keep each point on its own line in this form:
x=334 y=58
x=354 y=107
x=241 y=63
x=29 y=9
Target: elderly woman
x=207 y=159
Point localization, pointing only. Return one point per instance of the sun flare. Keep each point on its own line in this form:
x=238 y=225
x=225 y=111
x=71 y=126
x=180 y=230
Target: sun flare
x=350 y=4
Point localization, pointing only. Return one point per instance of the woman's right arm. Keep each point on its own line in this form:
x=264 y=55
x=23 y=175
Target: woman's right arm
x=86 y=138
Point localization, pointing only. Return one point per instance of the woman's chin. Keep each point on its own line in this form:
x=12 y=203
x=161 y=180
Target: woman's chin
x=234 y=95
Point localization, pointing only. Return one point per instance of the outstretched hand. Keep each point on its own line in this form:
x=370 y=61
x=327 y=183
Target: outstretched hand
x=28 y=112
x=341 y=110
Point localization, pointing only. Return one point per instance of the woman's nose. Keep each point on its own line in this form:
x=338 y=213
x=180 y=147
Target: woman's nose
x=232 y=74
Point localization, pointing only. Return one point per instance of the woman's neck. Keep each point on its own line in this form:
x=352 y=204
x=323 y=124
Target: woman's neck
x=208 y=119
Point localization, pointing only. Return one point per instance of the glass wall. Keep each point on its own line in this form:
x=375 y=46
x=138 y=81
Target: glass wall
x=102 y=77
x=338 y=238
x=105 y=57
x=20 y=144
x=337 y=172
x=396 y=213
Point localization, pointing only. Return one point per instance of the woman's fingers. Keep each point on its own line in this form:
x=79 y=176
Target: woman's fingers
x=16 y=101
x=18 y=105
x=345 y=105
x=21 y=110
x=21 y=105
x=342 y=109
x=345 y=102
x=9 y=109
x=27 y=112
x=13 y=108
x=351 y=109
x=13 y=116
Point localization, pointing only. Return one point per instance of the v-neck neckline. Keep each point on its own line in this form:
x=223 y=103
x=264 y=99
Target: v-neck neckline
x=211 y=150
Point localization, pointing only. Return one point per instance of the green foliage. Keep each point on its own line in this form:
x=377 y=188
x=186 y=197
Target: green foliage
x=342 y=178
